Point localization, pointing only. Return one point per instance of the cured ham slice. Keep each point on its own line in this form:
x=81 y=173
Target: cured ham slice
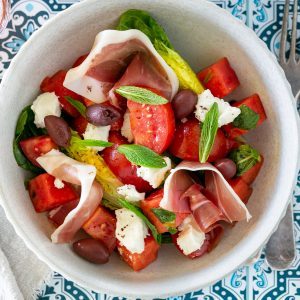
x=175 y=185
x=65 y=168
x=58 y=215
x=109 y=58
x=205 y=212
x=227 y=200
x=223 y=195
x=145 y=71
x=206 y=243
x=212 y=239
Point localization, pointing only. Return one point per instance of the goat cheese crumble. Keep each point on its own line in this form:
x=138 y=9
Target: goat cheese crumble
x=154 y=176
x=58 y=183
x=129 y=192
x=99 y=133
x=190 y=237
x=130 y=230
x=227 y=113
x=45 y=105
x=126 y=128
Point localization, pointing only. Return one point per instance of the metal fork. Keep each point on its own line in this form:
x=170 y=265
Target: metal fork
x=280 y=249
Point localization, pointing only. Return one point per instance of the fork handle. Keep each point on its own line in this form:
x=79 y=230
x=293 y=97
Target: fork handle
x=280 y=249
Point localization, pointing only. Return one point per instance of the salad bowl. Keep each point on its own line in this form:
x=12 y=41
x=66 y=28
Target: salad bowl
x=202 y=33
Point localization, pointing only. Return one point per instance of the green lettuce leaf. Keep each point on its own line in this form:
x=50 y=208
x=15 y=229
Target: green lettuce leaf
x=141 y=20
x=104 y=175
x=186 y=76
x=25 y=128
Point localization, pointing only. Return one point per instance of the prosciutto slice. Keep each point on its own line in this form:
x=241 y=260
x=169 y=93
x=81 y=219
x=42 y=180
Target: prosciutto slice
x=212 y=239
x=175 y=185
x=223 y=195
x=65 y=168
x=113 y=51
x=205 y=212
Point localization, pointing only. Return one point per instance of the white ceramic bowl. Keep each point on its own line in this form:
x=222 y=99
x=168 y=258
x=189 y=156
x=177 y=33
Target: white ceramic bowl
x=202 y=33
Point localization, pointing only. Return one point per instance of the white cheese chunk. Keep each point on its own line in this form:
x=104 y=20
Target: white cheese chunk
x=126 y=128
x=129 y=192
x=58 y=183
x=130 y=230
x=45 y=105
x=227 y=113
x=190 y=237
x=154 y=176
x=99 y=133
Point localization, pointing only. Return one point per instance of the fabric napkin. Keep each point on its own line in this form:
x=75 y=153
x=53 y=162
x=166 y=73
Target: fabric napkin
x=21 y=272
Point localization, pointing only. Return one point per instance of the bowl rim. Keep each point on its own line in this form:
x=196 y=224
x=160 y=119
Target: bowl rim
x=190 y=283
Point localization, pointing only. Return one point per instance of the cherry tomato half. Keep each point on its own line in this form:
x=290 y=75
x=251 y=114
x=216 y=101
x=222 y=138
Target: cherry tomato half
x=185 y=143
x=152 y=126
x=122 y=167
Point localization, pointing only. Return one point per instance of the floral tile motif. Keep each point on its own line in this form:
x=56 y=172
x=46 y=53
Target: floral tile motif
x=26 y=18
x=255 y=282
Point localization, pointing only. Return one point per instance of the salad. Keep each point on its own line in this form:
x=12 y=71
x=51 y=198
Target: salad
x=133 y=148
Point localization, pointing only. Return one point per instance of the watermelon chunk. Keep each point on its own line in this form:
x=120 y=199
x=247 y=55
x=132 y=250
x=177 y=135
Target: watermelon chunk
x=46 y=196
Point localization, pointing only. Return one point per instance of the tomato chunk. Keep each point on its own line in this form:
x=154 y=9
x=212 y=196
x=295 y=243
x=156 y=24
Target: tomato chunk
x=250 y=175
x=87 y=102
x=185 y=143
x=122 y=167
x=102 y=226
x=36 y=146
x=79 y=124
x=232 y=144
x=242 y=189
x=152 y=126
x=58 y=215
x=256 y=105
x=140 y=261
x=45 y=196
x=220 y=78
x=55 y=84
x=153 y=201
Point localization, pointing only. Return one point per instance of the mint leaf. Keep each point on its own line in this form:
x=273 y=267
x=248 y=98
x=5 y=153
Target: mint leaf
x=208 y=133
x=164 y=216
x=245 y=157
x=136 y=210
x=142 y=156
x=247 y=119
x=140 y=95
x=90 y=143
x=77 y=104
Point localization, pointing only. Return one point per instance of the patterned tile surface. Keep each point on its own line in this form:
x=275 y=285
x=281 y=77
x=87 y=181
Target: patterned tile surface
x=255 y=282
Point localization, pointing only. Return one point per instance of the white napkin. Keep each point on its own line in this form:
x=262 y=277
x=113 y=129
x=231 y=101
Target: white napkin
x=21 y=272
